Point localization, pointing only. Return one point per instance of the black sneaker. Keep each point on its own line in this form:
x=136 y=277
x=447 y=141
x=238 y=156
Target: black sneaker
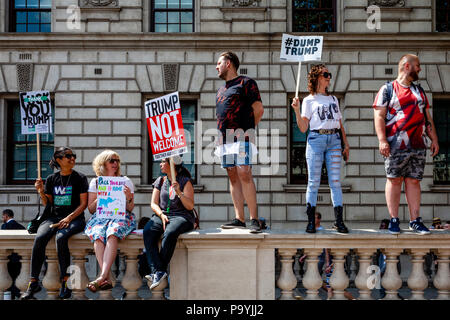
x=254 y=226
x=157 y=278
x=33 y=287
x=418 y=226
x=64 y=292
x=234 y=224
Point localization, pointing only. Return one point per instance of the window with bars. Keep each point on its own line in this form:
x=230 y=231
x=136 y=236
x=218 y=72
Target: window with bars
x=30 y=15
x=189 y=115
x=441 y=117
x=172 y=16
x=442 y=16
x=22 y=152
x=314 y=15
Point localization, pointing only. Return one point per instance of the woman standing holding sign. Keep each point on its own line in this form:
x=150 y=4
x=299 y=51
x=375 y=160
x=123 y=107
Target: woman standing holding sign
x=104 y=232
x=320 y=111
x=66 y=192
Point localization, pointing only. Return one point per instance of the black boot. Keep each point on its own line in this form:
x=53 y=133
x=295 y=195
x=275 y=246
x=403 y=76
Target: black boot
x=33 y=287
x=339 y=223
x=311 y=212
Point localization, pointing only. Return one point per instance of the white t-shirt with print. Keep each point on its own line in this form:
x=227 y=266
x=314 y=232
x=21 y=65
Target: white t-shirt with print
x=322 y=111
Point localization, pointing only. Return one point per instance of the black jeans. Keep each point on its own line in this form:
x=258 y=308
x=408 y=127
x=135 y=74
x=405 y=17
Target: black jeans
x=43 y=236
x=158 y=260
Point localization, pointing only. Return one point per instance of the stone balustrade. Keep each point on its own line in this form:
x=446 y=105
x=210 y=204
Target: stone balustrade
x=234 y=264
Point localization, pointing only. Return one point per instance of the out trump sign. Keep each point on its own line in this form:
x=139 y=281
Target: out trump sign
x=165 y=126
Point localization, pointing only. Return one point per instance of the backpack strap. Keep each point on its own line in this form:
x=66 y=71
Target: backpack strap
x=389 y=91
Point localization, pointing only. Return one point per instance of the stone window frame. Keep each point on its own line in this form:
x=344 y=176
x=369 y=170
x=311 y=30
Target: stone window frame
x=151 y=10
x=12 y=16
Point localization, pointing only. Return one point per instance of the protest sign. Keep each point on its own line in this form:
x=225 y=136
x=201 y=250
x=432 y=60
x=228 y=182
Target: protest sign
x=36 y=112
x=165 y=126
x=111 y=201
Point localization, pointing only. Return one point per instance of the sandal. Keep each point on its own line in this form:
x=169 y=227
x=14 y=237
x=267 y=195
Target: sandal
x=93 y=286
x=106 y=285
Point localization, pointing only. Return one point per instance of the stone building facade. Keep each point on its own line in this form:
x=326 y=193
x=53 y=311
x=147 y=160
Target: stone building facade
x=101 y=73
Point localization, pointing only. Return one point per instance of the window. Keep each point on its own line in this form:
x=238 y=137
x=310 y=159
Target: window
x=172 y=16
x=441 y=117
x=189 y=115
x=314 y=16
x=30 y=15
x=442 y=16
x=22 y=153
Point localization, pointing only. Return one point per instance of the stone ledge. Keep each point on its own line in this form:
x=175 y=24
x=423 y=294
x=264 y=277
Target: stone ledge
x=302 y=188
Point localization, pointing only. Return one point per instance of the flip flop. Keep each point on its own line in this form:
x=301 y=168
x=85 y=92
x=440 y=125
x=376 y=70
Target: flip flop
x=93 y=286
x=106 y=285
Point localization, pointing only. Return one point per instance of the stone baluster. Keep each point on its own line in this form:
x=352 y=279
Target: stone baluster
x=312 y=280
x=417 y=280
x=78 y=279
x=287 y=281
x=391 y=280
x=107 y=294
x=5 y=278
x=363 y=279
x=131 y=281
x=339 y=280
x=353 y=268
x=158 y=291
x=297 y=266
x=52 y=281
x=24 y=275
x=442 y=279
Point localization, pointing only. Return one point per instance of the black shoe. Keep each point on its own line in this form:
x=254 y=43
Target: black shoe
x=339 y=223
x=311 y=212
x=254 y=226
x=33 y=287
x=64 y=292
x=234 y=224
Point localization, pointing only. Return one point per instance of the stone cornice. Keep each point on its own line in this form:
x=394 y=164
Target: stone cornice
x=218 y=41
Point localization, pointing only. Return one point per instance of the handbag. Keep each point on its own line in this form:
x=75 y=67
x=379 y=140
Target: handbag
x=36 y=222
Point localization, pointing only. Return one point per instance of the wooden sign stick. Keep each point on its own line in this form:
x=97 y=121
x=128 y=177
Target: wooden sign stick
x=298 y=78
x=172 y=169
x=38 y=146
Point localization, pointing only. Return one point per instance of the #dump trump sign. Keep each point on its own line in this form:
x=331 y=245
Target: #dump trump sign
x=165 y=126
x=111 y=201
x=36 y=112
x=301 y=49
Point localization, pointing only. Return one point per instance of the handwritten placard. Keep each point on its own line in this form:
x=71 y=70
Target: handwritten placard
x=111 y=201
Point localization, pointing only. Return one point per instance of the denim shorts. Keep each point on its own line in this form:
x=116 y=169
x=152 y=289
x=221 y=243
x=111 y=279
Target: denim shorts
x=241 y=159
x=408 y=163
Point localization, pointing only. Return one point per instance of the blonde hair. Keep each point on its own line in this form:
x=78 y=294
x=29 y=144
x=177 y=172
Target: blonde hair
x=99 y=162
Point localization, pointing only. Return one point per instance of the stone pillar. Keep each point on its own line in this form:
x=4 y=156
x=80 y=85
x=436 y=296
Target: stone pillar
x=5 y=278
x=362 y=281
x=312 y=280
x=287 y=281
x=106 y=294
x=417 y=280
x=158 y=292
x=24 y=277
x=131 y=281
x=339 y=280
x=442 y=279
x=78 y=280
x=391 y=280
x=52 y=281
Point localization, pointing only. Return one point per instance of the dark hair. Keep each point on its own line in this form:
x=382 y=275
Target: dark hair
x=9 y=213
x=232 y=58
x=384 y=222
x=59 y=153
x=142 y=222
x=180 y=170
x=319 y=215
x=313 y=78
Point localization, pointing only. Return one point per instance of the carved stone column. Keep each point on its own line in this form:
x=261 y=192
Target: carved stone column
x=158 y=292
x=107 y=294
x=442 y=279
x=78 y=279
x=52 y=281
x=287 y=281
x=417 y=280
x=131 y=281
x=5 y=278
x=362 y=280
x=312 y=280
x=339 y=280
x=391 y=280
x=24 y=276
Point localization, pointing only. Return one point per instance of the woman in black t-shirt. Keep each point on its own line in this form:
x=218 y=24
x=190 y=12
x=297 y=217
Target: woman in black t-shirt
x=66 y=190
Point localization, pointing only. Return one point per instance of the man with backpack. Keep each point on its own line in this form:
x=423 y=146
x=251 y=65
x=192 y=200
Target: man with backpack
x=403 y=125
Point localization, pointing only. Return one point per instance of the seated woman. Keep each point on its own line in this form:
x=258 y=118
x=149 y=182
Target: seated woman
x=66 y=190
x=103 y=232
x=172 y=202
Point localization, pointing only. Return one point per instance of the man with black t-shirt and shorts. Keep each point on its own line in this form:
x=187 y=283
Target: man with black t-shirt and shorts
x=239 y=109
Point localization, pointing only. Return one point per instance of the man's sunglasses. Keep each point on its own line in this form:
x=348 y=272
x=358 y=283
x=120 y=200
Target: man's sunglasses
x=70 y=156
x=114 y=160
x=327 y=75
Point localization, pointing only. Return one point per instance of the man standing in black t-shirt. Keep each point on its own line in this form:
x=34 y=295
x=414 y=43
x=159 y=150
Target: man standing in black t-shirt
x=239 y=109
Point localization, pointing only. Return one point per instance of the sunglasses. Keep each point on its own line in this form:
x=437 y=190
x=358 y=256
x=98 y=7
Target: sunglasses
x=70 y=156
x=327 y=75
x=114 y=160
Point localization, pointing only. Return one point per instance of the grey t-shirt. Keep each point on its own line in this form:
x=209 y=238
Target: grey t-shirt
x=176 y=206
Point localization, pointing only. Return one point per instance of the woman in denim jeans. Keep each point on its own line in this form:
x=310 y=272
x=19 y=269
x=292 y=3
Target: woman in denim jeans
x=320 y=112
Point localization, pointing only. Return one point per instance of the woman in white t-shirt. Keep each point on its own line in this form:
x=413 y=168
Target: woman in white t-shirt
x=103 y=232
x=320 y=112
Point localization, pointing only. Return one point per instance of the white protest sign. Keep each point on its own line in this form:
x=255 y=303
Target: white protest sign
x=36 y=112
x=111 y=201
x=300 y=49
x=165 y=126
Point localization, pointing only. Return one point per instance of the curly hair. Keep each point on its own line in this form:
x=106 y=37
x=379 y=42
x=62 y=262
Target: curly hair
x=313 y=78
x=99 y=162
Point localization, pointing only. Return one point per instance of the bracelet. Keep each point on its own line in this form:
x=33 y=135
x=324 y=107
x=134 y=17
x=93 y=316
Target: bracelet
x=182 y=194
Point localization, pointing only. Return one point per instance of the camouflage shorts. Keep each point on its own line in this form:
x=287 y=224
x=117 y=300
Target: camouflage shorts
x=409 y=163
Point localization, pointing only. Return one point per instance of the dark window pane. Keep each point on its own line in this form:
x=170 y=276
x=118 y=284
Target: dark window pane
x=33 y=27
x=186 y=4
x=46 y=4
x=173 y=28
x=46 y=27
x=33 y=4
x=174 y=17
x=307 y=18
x=32 y=170
x=20 y=4
x=442 y=16
x=33 y=17
x=21 y=17
x=160 y=17
x=186 y=17
x=160 y=4
x=173 y=4
x=186 y=28
x=19 y=169
x=160 y=28
x=46 y=17
x=31 y=152
x=21 y=28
